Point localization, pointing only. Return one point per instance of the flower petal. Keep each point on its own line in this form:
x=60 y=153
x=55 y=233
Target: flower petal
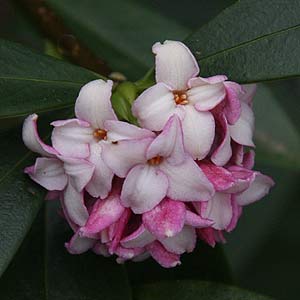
x=206 y=93
x=105 y=212
x=169 y=143
x=154 y=107
x=174 y=64
x=72 y=137
x=118 y=131
x=74 y=205
x=49 y=173
x=219 y=210
x=166 y=219
x=93 y=103
x=120 y=157
x=198 y=132
x=80 y=171
x=242 y=131
x=236 y=213
x=187 y=182
x=144 y=187
x=139 y=238
x=165 y=258
x=248 y=92
x=78 y=244
x=257 y=190
x=32 y=140
x=184 y=241
x=232 y=108
x=197 y=221
x=101 y=181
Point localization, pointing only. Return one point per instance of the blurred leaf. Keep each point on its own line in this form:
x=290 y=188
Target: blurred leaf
x=277 y=140
x=121 y=32
x=31 y=82
x=44 y=270
x=194 y=290
x=250 y=41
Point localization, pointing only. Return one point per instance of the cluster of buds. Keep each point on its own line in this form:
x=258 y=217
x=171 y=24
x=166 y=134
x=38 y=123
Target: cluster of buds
x=136 y=192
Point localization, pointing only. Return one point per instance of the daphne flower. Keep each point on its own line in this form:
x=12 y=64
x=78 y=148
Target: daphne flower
x=179 y=91
x=96 y=124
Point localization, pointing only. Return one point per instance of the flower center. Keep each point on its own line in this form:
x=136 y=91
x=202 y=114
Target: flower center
x=154 y=161
x=180 y=98
x=100 y=134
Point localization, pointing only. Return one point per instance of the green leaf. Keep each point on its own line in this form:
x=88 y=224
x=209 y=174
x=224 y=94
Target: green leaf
x=193 y=290
x=277 y=139
x=121 y=32
x=31 y=82
x=43 y=269
x=250 y=41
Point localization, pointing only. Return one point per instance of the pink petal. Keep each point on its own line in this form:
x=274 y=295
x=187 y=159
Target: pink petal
x=198 y=132
x=257 y=190
x=120 y=157
x=223 y=152
x=166 y=219
x=237 y=154
x=118 y=131
x=105 y=212
x=233 y=106
x=242 y=131
x=248 y=92
x=80 y=171
x=187 y=182
x=168 y=144
x=93 y=103
x=236 y=213
x=197 y=221
x=165 y=258
x=221 y=178
x=101 y=181
x=49 y=173
x=139 y=238
x=206 y=93
x=78 y=244
x=72 y=137
x=74 y=205
x=101 y=249
x=32 y=140
x=249 y=160
x=243 y=178
x=208 y=236
x=174 y=64
x=219 y=210
x=127 y=254
x=144 y=187
x=184 y=241
x=154 y=107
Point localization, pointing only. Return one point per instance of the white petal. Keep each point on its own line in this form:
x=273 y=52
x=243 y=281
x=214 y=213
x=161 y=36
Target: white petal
x=185 y=241
x=124 y=155
x=74 y=205
x=242 y=131
x=139 y=238
x=174 y=64
x=72 y=138
x=78 y=244
x=144 y=187
x=219 y=210
x=198 y=132
x=100 y=183
x=49 y=173
x=32 y=140
x=154 y=107
x=187 y=182
x=93 y=103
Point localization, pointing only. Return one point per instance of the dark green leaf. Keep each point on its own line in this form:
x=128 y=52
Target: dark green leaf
x=193 y=290
x=43 y=269
x=31 y=82
x=121 y=32
x=251 y=41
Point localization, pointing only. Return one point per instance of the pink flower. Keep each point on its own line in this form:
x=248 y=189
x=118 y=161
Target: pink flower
x=162 y=169
x=179 y=92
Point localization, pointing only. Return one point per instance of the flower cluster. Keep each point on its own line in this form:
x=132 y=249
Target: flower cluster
x=136 y=192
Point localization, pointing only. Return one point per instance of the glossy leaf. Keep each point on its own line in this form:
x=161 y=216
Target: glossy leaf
x=250 y=41
x=43 y=269
x=194 y=290
x=31 y=82
x=121 y=32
